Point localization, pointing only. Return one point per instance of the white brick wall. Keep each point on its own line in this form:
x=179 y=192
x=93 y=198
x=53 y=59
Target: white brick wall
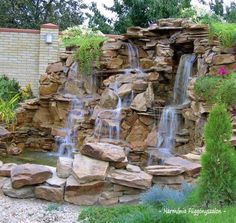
x=25 y=56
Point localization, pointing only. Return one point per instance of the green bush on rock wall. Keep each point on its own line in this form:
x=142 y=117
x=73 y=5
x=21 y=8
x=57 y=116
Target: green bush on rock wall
x=216 y=89
x=87 y=44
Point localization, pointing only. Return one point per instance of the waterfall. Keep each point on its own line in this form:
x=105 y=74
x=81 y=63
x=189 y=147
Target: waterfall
x=107 y=124
x=133 y=56
x=67 y=144
x=168 y=124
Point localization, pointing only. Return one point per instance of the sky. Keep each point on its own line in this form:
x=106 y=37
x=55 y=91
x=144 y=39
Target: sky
x=109 y=3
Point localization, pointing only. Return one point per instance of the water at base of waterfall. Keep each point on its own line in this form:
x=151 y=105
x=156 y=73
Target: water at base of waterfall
x=169 y=122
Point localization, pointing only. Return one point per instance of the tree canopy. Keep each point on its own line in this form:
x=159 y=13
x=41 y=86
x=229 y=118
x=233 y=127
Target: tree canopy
x=67 y=13
x=33 y=13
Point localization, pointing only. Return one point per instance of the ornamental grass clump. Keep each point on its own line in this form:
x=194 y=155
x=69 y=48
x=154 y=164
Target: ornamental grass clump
x=87 y=44
x=217 y=183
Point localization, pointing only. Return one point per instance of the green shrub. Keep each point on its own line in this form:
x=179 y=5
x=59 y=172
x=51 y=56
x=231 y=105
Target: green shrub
x=87 y=44
x=166 y=196
x=206 y=87
x=8 y=88
x=216 y=89
x=217 y=183
x=226 y=92
x=225 y=32
x=7 y=111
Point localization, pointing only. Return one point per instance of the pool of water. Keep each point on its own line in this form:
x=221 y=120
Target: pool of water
x=28 y=156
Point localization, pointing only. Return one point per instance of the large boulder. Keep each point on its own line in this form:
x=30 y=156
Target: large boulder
x=139 y=180
x=49 y=193
x=83 y=194
x=104 y=151
x=29 y=174
x=24 y=192
x=109 y=99
x=64 y=167
x=189 y=167
x=86 y=169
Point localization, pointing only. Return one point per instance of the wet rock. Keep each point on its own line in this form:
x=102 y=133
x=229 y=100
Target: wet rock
x=189 y=167
x=64 y=167
x=139 y=86
x=146 y=63
x=104 y=151
x=160 y=170
x=115 y=63
x=86 y=169
x=49 y=193
x=141 y=180
x=23 y=193
x=5 y=169
x=82 y=194
x=139 y=103
x=125 y=90
x=29 y=174
x=109 y=99
x=151 y=139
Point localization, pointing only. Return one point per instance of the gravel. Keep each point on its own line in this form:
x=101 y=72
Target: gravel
x=36 y=211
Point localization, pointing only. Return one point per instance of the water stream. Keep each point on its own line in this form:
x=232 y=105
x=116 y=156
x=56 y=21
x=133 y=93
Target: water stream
x=107 y=124
x=67 y=144
x=169 y=122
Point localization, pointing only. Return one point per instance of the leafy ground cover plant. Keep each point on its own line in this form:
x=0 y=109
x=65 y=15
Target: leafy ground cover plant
x=87 y=43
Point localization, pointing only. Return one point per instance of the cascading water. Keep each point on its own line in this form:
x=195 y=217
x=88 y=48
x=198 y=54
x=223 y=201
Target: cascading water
x=133 y=56
x=67 y=144
x=169 y=119
x=110 y=127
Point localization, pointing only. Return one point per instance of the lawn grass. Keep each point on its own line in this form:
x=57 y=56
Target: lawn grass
x=144 y=213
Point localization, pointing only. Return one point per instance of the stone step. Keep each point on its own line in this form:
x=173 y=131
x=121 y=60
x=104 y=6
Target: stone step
x=86 y=169
x=162 y=170
x=192 y=157
x=189 y=167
